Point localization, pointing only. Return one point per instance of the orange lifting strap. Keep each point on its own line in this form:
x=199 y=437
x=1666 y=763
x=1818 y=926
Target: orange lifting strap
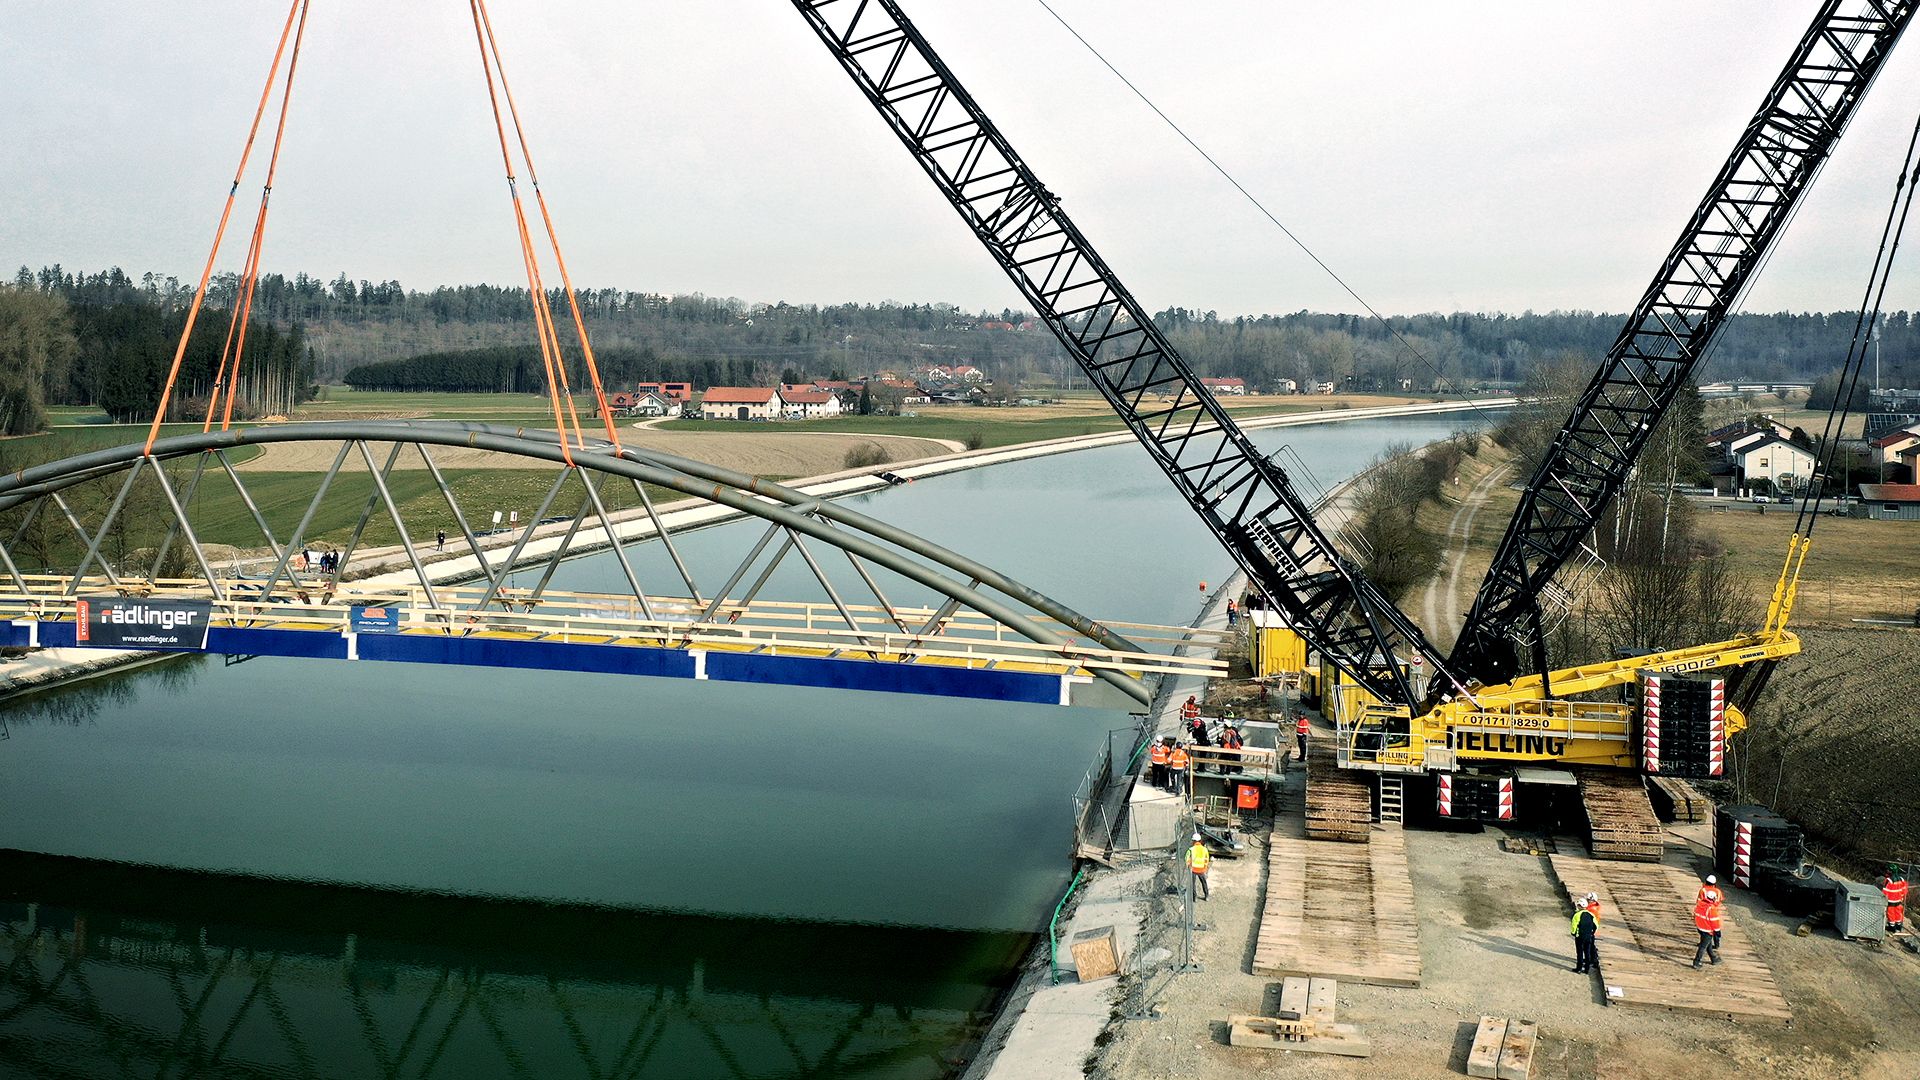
x=559 y=391
x=297 y=8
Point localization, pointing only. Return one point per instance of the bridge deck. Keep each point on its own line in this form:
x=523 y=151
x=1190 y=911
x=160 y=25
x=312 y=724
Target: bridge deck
x=908 y=650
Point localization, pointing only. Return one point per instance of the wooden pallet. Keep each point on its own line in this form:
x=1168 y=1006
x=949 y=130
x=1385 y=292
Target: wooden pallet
x=1620 y=819
x=1647 y=939
x=1340 y=911
x=1339 y=801
x=1676 y=800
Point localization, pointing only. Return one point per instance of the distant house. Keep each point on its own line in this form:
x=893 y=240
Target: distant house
x=741 y=403
x=1225 y=386
x=809 y=404
x=968 y=373
x=1724 y=440
x=1889 y=502
x=678 y=392
x=1286 y=386
x=1776 y=461
x=1887 y=449
x=996 y=325
x=652 y=403
x=1323 y=388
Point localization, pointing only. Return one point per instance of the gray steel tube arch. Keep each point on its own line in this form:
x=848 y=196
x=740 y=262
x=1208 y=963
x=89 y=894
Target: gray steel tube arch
x=725 y=487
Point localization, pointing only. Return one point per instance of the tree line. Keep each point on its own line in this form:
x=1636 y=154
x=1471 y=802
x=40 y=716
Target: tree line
x=104 y=343
x=351 y=325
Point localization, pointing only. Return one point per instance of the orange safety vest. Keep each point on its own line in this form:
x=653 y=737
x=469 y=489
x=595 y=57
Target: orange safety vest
x=1895 y=891
x=1302 y=727
x=1708 y=892
x=1199 y=858
x=1232 y=740
x=1158 y=755
x=1706 y=916
x=1179 y=760
x=1190 y=711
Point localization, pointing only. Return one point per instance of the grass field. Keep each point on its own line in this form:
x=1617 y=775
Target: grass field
x=1857 y=569
x=221 y=519
x=64 y=442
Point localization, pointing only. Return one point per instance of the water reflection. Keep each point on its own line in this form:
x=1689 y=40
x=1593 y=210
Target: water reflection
x=113 y=970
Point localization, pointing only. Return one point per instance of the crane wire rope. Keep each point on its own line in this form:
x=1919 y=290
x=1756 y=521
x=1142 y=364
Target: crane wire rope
x=1904 y=188
x=220 y=231
x=1266 y=213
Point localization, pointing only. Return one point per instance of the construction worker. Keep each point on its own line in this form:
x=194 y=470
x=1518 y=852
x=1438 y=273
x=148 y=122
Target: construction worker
x=1300 y=729
x=1197 y=729
x=1199 y=859
x=1189 y=712
x=1585 y=924
x=1893 y=885
x=1177 y=764
x=1157 y=756
x=1706 y=919
x=1230 y=739
x=1710 y=887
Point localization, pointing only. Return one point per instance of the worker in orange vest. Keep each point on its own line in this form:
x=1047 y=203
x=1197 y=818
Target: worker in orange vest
x=1158 y=756
x=1178 y=764
x=1189 y=712
x=1706 y=919
x=1709 y=890
x=1199 y=860
x=1300 y=729
x=1894 y=887
x=1231 y=740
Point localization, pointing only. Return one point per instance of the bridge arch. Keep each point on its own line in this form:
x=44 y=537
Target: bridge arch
x=972 y=594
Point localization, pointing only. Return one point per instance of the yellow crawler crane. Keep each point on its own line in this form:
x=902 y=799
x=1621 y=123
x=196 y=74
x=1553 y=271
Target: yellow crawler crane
x=1533 y=721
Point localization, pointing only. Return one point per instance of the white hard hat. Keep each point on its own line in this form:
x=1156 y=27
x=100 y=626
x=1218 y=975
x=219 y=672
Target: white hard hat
x=1711 y=880
x=1196 y=836
x=1593 y=898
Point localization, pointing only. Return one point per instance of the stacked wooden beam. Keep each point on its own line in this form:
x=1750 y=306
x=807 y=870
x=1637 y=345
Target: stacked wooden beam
x=1339 y=801
x=1676 y=800
x=1303 y=1020
x=1620 y=820
x=1503 y=1048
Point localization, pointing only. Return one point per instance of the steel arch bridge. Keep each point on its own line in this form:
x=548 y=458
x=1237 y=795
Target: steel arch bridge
x=188 y=525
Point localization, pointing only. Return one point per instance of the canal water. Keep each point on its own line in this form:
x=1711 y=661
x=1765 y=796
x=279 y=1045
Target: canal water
x=309 y=868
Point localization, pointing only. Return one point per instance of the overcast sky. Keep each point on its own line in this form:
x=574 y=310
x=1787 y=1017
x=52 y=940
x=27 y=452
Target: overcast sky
x=1439 y=155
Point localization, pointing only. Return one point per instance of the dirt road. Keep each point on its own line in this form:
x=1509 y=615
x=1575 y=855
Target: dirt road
x=1442 y=605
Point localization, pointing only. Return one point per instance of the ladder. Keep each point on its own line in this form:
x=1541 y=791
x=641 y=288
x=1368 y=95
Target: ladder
x=1392 y=800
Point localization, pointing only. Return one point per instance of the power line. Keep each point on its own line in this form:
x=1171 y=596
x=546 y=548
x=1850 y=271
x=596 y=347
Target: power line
x=1264 y=212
